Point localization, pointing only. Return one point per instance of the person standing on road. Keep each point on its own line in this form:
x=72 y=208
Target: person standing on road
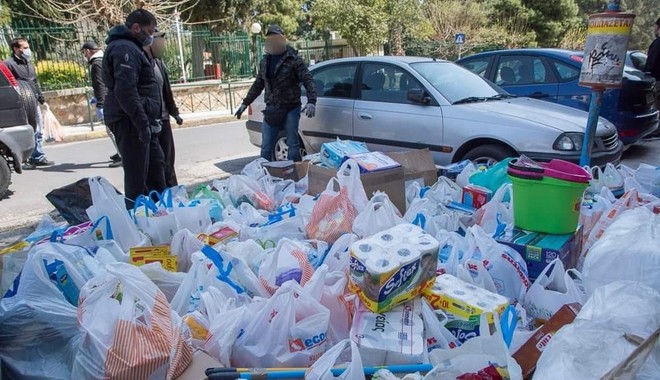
x=94 y=57
x=132 y=108
x=281 y=72
x=20 y=66
x=653 y=61
x=156 y=52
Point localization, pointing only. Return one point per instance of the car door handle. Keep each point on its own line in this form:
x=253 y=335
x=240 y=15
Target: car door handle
x=365 y=116
x=539 y=95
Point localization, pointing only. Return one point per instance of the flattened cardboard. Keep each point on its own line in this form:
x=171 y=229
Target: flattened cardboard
x=418 y=166
x=196 y=370
x=287 y=169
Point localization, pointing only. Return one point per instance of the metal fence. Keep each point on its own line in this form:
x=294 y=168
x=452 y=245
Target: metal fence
x=193 y=53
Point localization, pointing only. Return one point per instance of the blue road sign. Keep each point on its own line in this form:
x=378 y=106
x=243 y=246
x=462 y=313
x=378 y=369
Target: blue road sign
x=459 y=39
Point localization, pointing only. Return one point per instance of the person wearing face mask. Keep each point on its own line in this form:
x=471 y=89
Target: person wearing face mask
x=22 y=68
x=94 y=56
x=653 y=61
x=132 y=108
x=156 y=51
x=281 y=72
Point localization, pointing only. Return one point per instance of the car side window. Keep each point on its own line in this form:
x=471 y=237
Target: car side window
x=335 y=81
x=478 y=66
x=566 y=72
x=386 y=83
x=521 y=70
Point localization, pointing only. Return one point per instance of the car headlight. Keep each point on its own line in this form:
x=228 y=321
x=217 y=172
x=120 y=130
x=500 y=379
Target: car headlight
x=569 y=142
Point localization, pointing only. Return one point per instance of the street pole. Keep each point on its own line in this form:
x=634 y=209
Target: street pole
x=178 y=39
x=608 y=36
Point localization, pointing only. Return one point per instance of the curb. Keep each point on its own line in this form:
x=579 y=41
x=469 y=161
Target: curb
x=100 y=132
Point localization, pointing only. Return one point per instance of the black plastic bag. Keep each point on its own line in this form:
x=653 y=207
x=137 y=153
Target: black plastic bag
x=72 y=201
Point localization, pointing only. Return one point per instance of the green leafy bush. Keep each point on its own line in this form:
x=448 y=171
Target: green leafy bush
x=55 y=75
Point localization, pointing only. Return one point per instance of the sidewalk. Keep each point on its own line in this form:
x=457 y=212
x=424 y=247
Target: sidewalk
x=84 y=132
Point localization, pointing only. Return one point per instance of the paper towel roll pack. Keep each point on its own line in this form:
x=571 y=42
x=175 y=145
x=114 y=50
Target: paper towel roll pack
x=393 y=266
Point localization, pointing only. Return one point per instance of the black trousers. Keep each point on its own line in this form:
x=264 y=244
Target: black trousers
x=143 y=162
x=166 y=139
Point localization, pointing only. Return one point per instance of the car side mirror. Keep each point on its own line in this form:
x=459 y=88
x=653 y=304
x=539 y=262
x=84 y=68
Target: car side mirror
x=419 y=96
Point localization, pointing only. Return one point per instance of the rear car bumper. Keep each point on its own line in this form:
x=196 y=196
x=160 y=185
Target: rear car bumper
x=254 y=132
x=20 y=142
x=633 y=128
x=598 y=158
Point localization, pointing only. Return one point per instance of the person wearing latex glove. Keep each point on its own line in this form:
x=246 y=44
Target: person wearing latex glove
x=94 y=56
x=281 y=72
x=156 y=51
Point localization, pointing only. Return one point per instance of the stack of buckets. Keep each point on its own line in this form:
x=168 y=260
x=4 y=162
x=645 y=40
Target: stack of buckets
x=547 y=197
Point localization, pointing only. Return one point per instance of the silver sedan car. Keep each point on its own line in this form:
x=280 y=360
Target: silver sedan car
x=399 y=103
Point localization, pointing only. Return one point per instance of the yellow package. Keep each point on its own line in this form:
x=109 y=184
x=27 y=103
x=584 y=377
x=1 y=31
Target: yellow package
x=462 y=299
x=159 y=254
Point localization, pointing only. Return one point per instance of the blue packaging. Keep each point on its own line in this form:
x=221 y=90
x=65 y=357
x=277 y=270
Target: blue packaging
x=334 y=154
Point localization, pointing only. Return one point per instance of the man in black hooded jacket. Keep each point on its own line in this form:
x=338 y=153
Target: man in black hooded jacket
x=132 y=106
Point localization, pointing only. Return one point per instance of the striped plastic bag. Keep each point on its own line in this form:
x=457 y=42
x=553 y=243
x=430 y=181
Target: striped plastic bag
x=129 y=330
x=289 y=261
x=333 y=214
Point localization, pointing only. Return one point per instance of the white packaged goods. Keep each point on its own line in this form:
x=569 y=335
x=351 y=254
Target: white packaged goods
x=393 y=266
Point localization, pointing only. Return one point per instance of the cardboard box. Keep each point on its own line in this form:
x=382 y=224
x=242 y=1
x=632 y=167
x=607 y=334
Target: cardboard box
x=197 y=369
x=224 y=234
x=539 y=249
x=287 y=169
x=159 y=254
x=388 y=181
x=333 y=154
x=418 y=166
x=528 y=355
x=476 y=196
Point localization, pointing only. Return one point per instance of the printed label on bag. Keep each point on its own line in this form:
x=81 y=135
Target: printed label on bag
x=300 y=344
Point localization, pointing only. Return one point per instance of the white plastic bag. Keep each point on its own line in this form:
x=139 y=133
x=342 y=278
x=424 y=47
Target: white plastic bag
x=322 y=369
x=290 y=330
x=52 y=128
x=158 y=224
x=184 y=244
x=379 y=215
x=612 y=178
x=288 y=262
x=475 y=355
x=463 y=178
x=444 y=191
x=554 y=288
x=496 y=216
x=333 y=214
x=244 y=189
x=628 y=250
x=168 y=282
x=106 y=202
x=348 y=175
x=437 y=336
x=254 y=169
x=129 y=330
x=339 y=257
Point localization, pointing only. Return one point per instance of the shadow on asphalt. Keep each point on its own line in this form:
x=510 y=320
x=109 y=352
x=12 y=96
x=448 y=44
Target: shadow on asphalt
x=71 y=167
x=235 y=166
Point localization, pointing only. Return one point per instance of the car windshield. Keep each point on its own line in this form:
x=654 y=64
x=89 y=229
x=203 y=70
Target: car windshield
x=456 y=83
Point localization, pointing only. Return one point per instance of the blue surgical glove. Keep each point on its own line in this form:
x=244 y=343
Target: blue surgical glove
x=99 y=114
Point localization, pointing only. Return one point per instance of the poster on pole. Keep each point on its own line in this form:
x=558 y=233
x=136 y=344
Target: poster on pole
x=605 y=49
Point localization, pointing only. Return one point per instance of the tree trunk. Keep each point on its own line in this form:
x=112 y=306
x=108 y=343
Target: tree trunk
x=397 y=42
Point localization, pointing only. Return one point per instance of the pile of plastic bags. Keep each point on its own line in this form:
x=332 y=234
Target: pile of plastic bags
x=258 y=274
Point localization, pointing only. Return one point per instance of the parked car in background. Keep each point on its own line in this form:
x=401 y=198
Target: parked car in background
x=553 y=75
x=16 y=135
x=399 y=103
x=636 y=59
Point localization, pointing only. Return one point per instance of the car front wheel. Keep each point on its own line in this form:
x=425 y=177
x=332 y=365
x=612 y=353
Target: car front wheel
x=281 y=149
x=489 y=154
x=5 y=176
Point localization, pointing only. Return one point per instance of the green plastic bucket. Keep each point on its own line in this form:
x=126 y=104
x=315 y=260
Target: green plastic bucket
x=547 y=204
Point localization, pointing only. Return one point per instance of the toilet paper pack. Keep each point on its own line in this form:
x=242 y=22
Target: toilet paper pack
x=390 y=338
x=393 y=266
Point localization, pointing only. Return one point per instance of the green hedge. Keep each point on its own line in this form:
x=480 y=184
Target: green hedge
x=55 y=75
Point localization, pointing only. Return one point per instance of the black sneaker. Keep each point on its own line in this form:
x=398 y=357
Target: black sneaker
x=43 y=162
x=115 y=158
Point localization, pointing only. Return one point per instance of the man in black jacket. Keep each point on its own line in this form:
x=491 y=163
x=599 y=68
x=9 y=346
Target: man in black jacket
x=653 y=61
x=132 y=106
x=94 y=57
x=20 y=66
x=156 y=52
x=281 y=72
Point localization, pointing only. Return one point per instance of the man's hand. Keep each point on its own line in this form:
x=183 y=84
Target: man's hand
x=41 y=99
x=99 y=114
x=178 y=119
x=310 y=110
x=92 y=100
x=240 y=111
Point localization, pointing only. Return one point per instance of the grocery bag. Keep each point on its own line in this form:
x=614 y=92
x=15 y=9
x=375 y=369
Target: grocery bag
x=255 y=170
x=106 y=202
x=483 y=354
x=494 y=177
x=554 y=288
x=333 y=214
x=463 y=178
x=613 y=179
x=38 y=313
x=496 y=216
x=288 y=262
x=129 y=330
x=348 y=176
x=628 y=250
x=338 y=258
x=444 y=191
x=158 y=224
x=379 y=215
x=244 y=189
x=289 y=330
x=52 y=129
x=168 y=282
x=206 y=195
x=323 y=368
x=184 y=244
x=436 y=334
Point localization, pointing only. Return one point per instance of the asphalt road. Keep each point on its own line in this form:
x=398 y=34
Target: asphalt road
x=203 y=154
